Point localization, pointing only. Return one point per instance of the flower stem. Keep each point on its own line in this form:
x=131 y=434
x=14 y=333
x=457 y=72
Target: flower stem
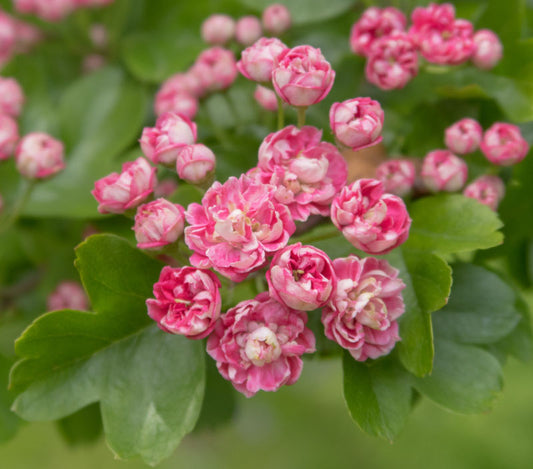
x=27 y=186
x=301 y=116
x=281 y=114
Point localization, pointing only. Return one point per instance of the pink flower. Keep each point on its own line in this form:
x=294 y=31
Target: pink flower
x=266 y=98
x=99 y=35
x=361 y=316
x=276 y=19
x=26 y=36
x=443 y=171
x=374 y=24
x=182 y=84
x=258 y=344
x=440 y=37
x=53 y=10
x=180 y=103
x=464 y=136
x=302 y=76
x=158 y=224
x=215 y=68
x=195 y=163
x=488 y=190
x=488 y=49
x=301 y=277
x=165 y=188
x=248 y=30
x=11 y=97
x=164 y=142
x=257 y=61
x=9 y=135
x=117 y=193
x=398 y=176
x=68 y=295
x=357 y=123
x=218 y=29
x=7 y=38
x=392 y=62
x=371 y=220
x=504 y=145
x=187 y=301
x=306 y=172
x=38 y=155
x=238 y=224
x=93 y=62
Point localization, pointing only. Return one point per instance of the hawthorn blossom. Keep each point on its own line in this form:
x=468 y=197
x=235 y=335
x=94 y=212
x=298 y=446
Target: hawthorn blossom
x=248 y=30
x=488 y=190
x=504 y=145
x=195 y=163
x=215 y=68
x=257 y=61
x=218 y=29
x=398 y=176
x=68 y=295
x=276 y=19
x=9 y=135
x=266 y=98
x=38 y=156
x=488 y=49
x=464 y=136
x=443 y=171
x=11 y=97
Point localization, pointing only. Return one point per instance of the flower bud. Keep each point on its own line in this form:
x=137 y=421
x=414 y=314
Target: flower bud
x=99 y=35
x=276 y=19
x=179 y=103
x=266 y=98
x=504 y=145
x=488 y=49
x=248 y=30
x=195 y=163
x=68 y=295
x=7 y=38
x=38 y=155
x=464 y=136
x=443 y=171
x=11 y=97
x=93 y=62
x=215 y=68
x=165 y=188
x=218 y=29
x=398 y=176
x=488 y=190
x=257 y=61
x=9 y=135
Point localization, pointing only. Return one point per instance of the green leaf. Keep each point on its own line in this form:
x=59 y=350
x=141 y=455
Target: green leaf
x=378 y=395
x=465 y=378
x=82 y=427
x=9 y=422
x=149 y=384
x=481 y=308
x=452 y=223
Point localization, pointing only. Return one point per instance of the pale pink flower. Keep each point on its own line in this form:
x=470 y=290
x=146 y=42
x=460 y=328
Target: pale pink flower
x=187 y=301
x=306 y=172
x=99 y=35
x=257 y=61
x=215 y=68
x=180 y=103
x=237 y=226
x=301 y=277
x=181 y=83
x=357 y=123
x=117 y=193
x=374 y=24
x=302 y=76
x=164 y=142
x=443 y=171
x=218 y=29
x=464 y=136
x=195 y=163
x=504 y=145
x=7 y=37
x=276 y=19
x=68 y=295
x=248 y=30
x=488 y=49
x=362 y=314
x=392 y=62
x=370 y=219
x=53 y=10
x=11 y=97
x=258 y=345
x=38 y=155
x=488 y=190
x=26 y=36
x=165 y=188
x=93 y=62
x=398 y=176
x=9 y=135
x=266 y=98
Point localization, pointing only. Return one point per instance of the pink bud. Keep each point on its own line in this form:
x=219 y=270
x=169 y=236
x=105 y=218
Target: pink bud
x=276 y=19
x=38 y=155
x=26 y=36
x=93 y=62
x=248 y=30
x=165 y=188
x=187 y=301
x=443 y=171
x=357 y=123
x=488 y=49
x=11 y=97
x=53 y=10
x=9 y=136
x=7 y=37
x=117 y=193
x=371 y=220
x=99 y=35
x=464 y=136
x=68 y=295
x=504 y=145
x=215 y=68
x=180 y=103
x=488 y=190
x=302 y=76
x=195 y=163
x=181 y=83
x=397 y=176
x=266 y=98
x=164 y=142
x=218 y=29
x=257 y=61
x=158 y=223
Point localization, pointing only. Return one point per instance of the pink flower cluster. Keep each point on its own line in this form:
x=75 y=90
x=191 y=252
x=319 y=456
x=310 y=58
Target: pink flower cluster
x=55 y=10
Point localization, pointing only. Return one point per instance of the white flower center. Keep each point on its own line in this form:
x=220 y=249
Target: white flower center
x=262 y=346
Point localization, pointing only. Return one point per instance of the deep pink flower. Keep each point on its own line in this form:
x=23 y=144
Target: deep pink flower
x=489 y=190
x=68 y=295
x=302 y=76
x=464 y=136
x=306 y=172
x=362 y=314
x=392 y=62
x=488 y=49
x=258 y=344
x=38 y=155
x=164 y=142
x=11 y=97
x=301 y=277
x=9 y=135
x=237 y=226
x=357 y=123
x=374 y=24
x=443 y=171
x=215 y=68
x=257 y=61
x=504 y=145
x=117 y=193
x=248 y=30
x=218 y=29
x=266 y=98
x=195 y=163
x=398 y=176
x=373 y=221
x=187 y=301
x=276 y=19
